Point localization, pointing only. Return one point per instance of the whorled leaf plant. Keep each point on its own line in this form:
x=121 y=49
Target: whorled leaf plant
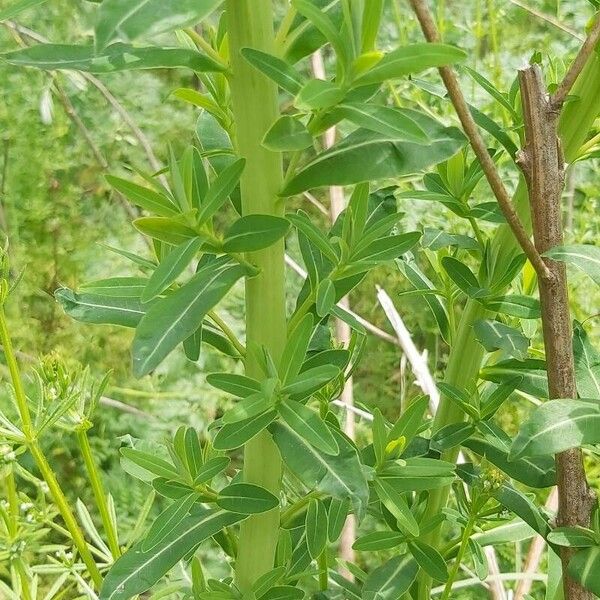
x=222 y=219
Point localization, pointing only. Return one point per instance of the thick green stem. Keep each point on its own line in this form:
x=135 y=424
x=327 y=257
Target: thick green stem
x=255 y=108
x=99 y=494
x=467 y=353
x=45 y=469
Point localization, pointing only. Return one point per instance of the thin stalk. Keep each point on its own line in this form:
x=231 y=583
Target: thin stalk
x=227 y=331
x=459 y=557
x=255 y=109
x=38 y=455
x=99 y=493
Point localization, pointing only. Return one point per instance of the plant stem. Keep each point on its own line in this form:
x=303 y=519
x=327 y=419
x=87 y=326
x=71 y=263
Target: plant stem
x=99 y=494
x=255 y=109
x=228 y=332
x=38 y=455
x=459 y=557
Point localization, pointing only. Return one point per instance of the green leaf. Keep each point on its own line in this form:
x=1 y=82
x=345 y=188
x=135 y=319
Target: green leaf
x=380 y=437
x=479 y=560
x=515 y=305
x=429 y=559
x=220 y=189
x=266 y=581
x=246 y=499
x=451 y=435
x=174 y=318
x=336 y=517
x=318 y=94
x=281 y=72
x=411 y=59
x=137 y=571
x=393 y=122
x=325 y=300
x=463 y=277
x=410 y=420
x=556 y=426
x=236 y=434
x=528 y=375
x=494 y=335
x=167 y=520
x=308 y=382
x=210 y=469
x=398 y=506
x=287 y=134
x=171 y=268
x=391 y=580
x=116 y=287
x=283 y=592
x=302 y=222
x=583 y=256
x=368 y=155
x=17 y=8
x=92 y=308
x=387 y=248
x=116 y=57
x=143 y=197
x=129 y=20
x=340 y=476
x=307 y=423
x=248 y=407
x=584 y=567
x=494 y=445
x=418 y=474
x=295 y=349
x=166 y=229
x=587 y=364
x=240 y=386
x=573 y=537
x=316 y=527
x=254 y=232
x=379 y=540
x=153 y=464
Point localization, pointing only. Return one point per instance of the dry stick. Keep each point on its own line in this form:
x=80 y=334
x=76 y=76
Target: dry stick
x=542 y=164
x=535 y=553
x=343 y=333
x=471 y=130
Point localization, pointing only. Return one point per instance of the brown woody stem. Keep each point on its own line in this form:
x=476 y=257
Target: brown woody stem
x=543 y=166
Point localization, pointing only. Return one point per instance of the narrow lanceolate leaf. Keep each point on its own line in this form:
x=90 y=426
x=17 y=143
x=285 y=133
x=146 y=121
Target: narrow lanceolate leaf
x=573 y=537
x=154 y=465
x=210 y=469
x=411 y=59
x=287 y=134
x=391 y=580
x=93 y=308
x=316 y=527
x=379 y=540
x=340 y=476
x=383 y=119
x=587 y=364
x=117 y=287
x=174 y=318
x=295 y=349
x=167 y=520
x=558 y=425
x=368 y=155
x=528 y=375
x=281 y=72
x=583 y=256
x=254 y=232
x=429 y=559
x=131 y=19
x=515 y=305
x=117 y=57
x=307 y=423
x=336 y=517
x=220 y=189
x=387 y=248
x=234 y=435
x=462 y=276
x=171 y=268
x=232 y=383
x=246 y=498
x=494 y=335
x=584 y=567
x=143 y=197
x=137 y=570
x=166 y=229
x=317 y=94
x=17 y=7
x=397 y=505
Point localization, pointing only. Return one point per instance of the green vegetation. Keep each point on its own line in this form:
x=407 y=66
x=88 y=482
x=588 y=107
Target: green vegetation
x=225 y=219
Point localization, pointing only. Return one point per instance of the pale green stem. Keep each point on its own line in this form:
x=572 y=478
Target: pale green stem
x=255 y=109
x=99 y=494
x=459 y=557
x=227 y=331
